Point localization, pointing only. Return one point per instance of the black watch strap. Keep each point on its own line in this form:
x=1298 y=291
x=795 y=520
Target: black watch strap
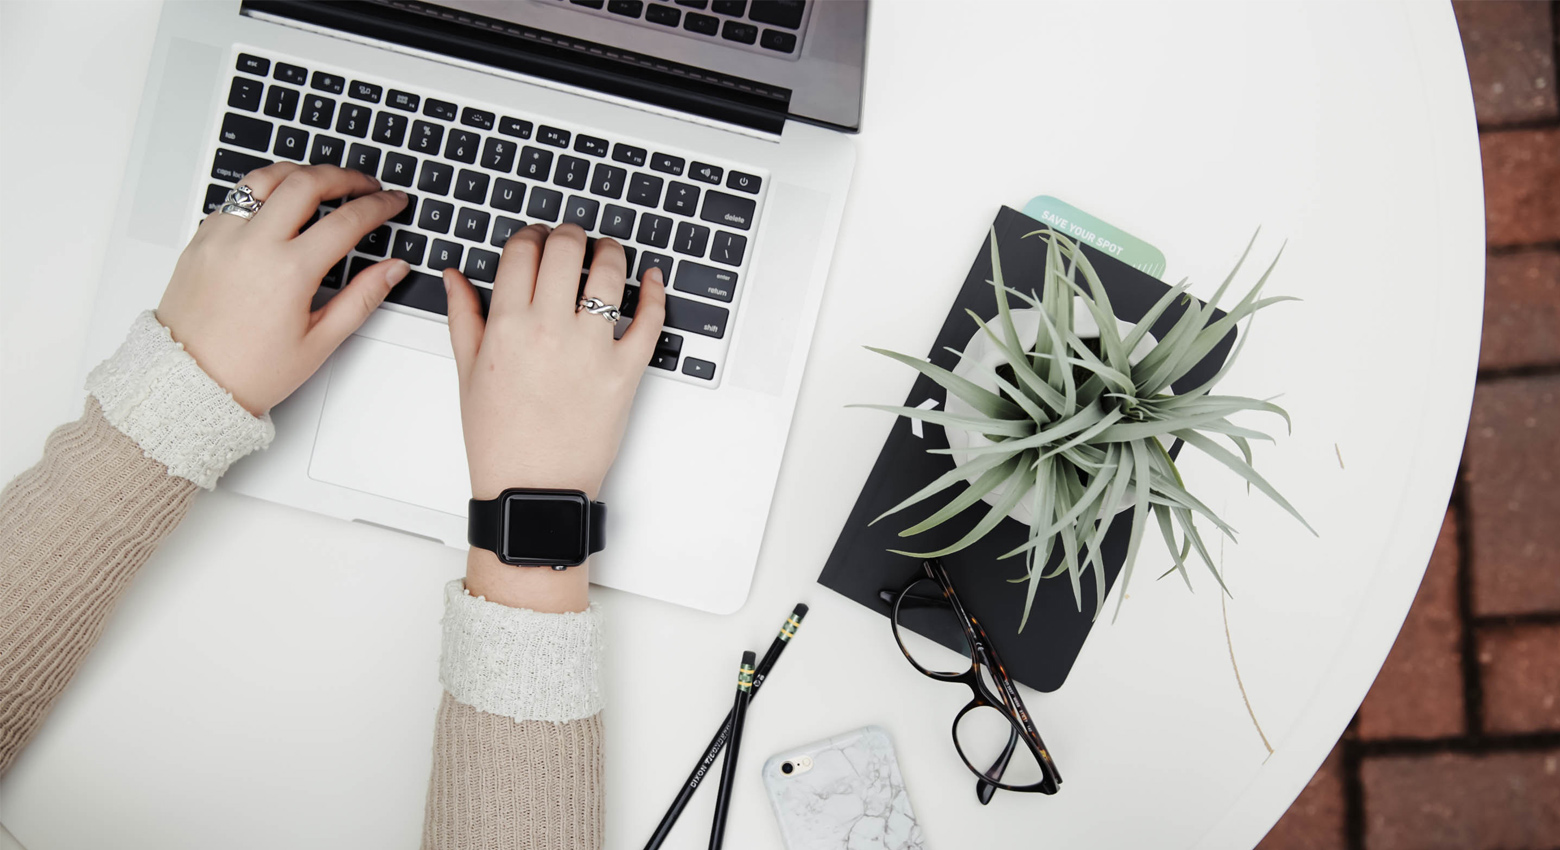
x=485 y=523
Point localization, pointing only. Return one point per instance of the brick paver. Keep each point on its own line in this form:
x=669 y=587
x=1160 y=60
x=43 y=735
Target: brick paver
x=1511 y=59
x=1521 y=310
x=1521 y=171
x=1316 y=821
x=1519 y=669
x=1453 y=801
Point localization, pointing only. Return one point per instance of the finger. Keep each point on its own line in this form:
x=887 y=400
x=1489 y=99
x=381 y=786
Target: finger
x=298 y=196
x=558 y=278
x=356 y=301
x=608 y=270
x=466 y=324
x=261 y=182
x=639 y=340
x=516 y=277
x=334 y=235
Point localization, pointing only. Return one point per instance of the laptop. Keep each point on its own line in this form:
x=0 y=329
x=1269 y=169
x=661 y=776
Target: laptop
x=711 y=137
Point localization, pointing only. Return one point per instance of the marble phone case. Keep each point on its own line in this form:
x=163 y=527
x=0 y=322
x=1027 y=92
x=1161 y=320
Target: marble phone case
x=852 y=797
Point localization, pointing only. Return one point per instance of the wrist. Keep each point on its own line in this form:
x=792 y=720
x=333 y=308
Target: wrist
x=539 y=589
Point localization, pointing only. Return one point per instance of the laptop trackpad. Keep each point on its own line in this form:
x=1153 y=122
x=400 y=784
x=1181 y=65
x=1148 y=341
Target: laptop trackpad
x=391 y=426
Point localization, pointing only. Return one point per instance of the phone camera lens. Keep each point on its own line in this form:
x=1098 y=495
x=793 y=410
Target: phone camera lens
x=786 y=768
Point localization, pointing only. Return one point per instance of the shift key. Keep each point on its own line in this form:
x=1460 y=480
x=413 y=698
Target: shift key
x=694 y=317
x=729 y=210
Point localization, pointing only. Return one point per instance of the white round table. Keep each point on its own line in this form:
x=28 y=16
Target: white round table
x=270 y=678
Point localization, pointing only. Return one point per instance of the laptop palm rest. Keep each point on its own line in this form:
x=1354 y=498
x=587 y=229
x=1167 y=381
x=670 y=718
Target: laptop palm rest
x=390 y=426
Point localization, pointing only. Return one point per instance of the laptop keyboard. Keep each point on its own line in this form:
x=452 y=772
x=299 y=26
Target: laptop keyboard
x=477 y=173
x=769 y=27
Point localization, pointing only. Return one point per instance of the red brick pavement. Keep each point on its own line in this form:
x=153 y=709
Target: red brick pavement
x=1457 y=746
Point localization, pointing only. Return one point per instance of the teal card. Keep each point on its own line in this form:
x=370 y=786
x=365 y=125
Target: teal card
x=1108 y=239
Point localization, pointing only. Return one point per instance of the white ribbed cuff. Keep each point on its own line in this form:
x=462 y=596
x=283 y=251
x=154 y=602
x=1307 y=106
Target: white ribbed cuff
x=155 y=393
x=521 y=663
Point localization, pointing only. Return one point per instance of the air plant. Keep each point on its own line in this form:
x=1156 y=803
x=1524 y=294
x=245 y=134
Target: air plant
x=1081 y=430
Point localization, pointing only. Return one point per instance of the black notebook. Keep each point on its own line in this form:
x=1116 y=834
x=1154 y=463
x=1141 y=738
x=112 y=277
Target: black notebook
x=861 y=566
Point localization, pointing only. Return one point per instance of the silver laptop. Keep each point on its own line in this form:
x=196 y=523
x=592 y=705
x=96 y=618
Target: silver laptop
x=711 y=137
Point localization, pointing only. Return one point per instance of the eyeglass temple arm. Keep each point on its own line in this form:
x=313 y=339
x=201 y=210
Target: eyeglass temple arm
x=984 y=789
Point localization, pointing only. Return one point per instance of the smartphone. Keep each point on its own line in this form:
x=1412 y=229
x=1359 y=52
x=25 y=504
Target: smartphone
x=842 y=792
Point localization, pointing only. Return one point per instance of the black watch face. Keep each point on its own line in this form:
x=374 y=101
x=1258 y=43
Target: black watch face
x=545 y=528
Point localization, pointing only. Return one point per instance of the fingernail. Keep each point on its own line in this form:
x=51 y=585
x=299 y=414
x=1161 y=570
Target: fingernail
x=397 y=193
x=397 y=272
x=655 y=272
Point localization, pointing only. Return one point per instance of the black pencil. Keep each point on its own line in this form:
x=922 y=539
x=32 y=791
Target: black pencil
x=718 y=743
x=728 y=771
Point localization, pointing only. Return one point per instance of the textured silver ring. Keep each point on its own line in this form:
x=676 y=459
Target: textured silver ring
x=598 y=307
x=240 y=201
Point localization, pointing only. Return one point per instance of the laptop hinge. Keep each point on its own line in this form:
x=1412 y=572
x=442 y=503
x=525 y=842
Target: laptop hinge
x=572 y=62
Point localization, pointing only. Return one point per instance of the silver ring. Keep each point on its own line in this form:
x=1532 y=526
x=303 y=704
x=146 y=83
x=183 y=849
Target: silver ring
x=240 y=201
x=598 y=307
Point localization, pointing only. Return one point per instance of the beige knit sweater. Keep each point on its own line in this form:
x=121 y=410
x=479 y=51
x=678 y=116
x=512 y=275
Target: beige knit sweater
x=517 y=738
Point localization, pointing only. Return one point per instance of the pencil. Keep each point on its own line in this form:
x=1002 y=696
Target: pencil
x=718 y=743
x=728 y=771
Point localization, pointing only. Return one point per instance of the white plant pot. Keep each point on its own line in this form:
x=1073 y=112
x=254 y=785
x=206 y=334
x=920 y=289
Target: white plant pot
x=981 y=349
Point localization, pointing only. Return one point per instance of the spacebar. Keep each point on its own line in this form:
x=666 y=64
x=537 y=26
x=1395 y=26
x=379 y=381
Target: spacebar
x=426 y=292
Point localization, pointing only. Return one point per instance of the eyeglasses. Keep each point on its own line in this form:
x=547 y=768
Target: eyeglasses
x=993 y=734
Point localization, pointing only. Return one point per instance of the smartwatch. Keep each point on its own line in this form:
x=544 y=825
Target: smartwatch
x=538 y=528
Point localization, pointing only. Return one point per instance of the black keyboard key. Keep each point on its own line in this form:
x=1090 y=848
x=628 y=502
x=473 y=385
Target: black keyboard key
x=669 y=342
x=626 y=8
x=572 y=172
x=442 y=109
x=401 y=100
x=327 y=150
x=552 y=136
x=291 y=142
x=215 y=195
x=435 y=216
x=628 y=154
x=477 y=118
x=426 y=137
x=607 y=181
x=503 y=228
x=334 y=278
x=363 y=158
x=780 y=13
x=734 y=8
x=693 y=4
x=390 y=128
x=629 y=252
x=444 y=255
x=420 y=290
x=590 y=145
x=665 y=359
x=665 y=162
x=471 y=186
x=535 y=163
x=400 y=169
x=291 y=74
x=728 y=248
x=245 y=94
x=377 y=242
x=739 y=32
x=581 y=211
x=730 y=210
x=281 y=102
x=481 y=265
x=699 y=368
x=360 y=90
x=514 y=127
x=590 y=4
x=664 y=15
x=317 y=111
x=333 y=83
x=472 y=224
x=651 y=260
x=435 y=177
x=702 y=24
x=406 y=213
x=682 y=198
x=354 y=120
x=409 y=246
x=706 y=173
x=252 y=64
x=691 y=239
x=644 y=189
x=743 y=182
x=706 y=281
x=246 y=132
x=696 y=316
x=778 y=41
x=463 y=146
x=508 y=195
x=655 y=230
x=498 y=154
x=545 y=204
x=617 y=222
